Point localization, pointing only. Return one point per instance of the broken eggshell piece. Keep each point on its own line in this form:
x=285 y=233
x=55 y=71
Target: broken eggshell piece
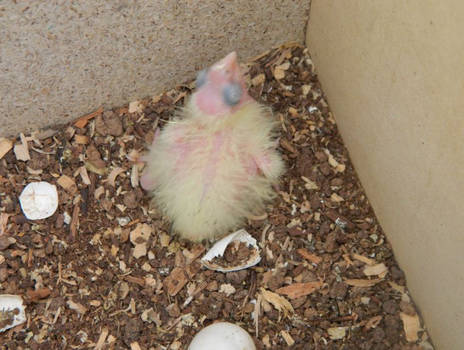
x=11 y=311
x=39 y=200
x=218 y=249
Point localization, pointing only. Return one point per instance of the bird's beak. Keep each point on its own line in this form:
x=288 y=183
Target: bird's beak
x=229 y=63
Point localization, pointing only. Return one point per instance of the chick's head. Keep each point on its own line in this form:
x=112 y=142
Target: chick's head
x=221 y=89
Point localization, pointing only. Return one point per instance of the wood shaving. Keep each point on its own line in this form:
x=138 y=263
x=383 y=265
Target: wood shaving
x=79 y=308
x=298 y=290
x=373 y=322
x=135 y=107
x=67 y=183
x=375 y=270
x=5 y=146
x=101 y=339
x=175 y=281
x=278 y=301
x=81 y=139
x=411 y=325
x=364 y=259
x=21 y=150
x=113 y=175
x=82 y=121
x=84 y=176
x=309 y=256
x=363 y=283
x=337 y=333
x=287 y=337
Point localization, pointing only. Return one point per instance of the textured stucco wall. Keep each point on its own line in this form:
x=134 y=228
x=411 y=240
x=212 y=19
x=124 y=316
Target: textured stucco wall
x=62 y=59
x=394 y=75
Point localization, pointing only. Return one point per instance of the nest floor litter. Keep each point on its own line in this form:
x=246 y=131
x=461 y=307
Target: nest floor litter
x=104 y=272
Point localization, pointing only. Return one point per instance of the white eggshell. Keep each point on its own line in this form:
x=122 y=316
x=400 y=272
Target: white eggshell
x=222 y=336
x=39 y=200
x=219 y=248
x=11 y=311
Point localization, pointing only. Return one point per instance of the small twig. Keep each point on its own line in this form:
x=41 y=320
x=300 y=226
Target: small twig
x=42 y=152
x=256 y=313
x=59 y=273
x=121 y=311
x=57 y=314
x=74 y=220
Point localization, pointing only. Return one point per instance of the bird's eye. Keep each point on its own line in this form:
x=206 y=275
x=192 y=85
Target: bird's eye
x=201 y=78
x=232 y=93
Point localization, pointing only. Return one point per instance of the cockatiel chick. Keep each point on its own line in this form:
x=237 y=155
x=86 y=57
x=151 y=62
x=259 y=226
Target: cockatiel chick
x=216 y=162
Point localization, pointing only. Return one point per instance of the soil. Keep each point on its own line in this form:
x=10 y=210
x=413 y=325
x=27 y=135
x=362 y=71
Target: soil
x=104 y=272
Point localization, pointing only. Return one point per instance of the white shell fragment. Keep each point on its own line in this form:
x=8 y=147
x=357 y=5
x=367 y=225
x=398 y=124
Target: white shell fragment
x=218 y=249
x=39 y=200
x=222 y=336
x=11 y=311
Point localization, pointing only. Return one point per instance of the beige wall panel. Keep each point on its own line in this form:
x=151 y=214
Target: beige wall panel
x=61 y=59
x=393 y=72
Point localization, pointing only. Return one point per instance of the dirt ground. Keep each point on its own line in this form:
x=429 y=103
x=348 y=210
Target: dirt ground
x=104 y=272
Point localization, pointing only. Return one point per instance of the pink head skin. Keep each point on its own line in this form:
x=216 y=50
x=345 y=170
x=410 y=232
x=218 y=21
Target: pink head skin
x=221 y=89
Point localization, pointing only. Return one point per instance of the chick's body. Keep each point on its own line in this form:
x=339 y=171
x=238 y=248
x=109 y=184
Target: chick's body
x=212 y=166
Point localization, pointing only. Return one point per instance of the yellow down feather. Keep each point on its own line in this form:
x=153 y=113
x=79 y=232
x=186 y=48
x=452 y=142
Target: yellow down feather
x=203 y=167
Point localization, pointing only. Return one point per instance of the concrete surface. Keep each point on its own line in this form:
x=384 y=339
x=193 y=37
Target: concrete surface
x=63 y=59
x=394 y=76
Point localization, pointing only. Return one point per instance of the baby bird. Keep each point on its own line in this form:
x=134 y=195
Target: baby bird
x=216 y=162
